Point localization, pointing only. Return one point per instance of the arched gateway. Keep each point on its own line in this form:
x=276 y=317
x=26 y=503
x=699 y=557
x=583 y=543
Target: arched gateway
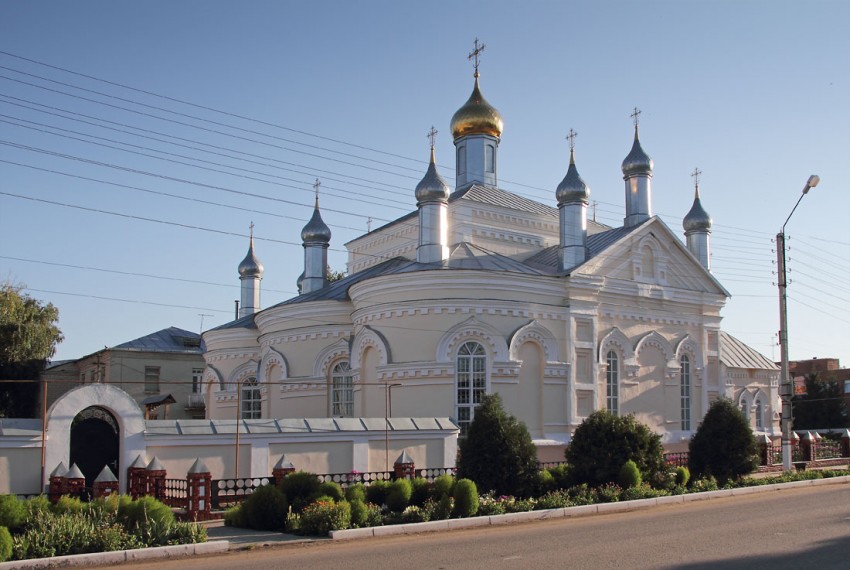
x=101 y=411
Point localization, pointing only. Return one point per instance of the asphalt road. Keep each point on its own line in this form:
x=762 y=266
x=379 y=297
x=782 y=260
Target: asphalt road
x=799 y=528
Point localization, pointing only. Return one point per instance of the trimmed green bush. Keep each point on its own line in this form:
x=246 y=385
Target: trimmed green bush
x=466 y=498
x=442 y=486
x=421 y=491
x=35 y=505
x=265 y=509
x=724 y=445
x=5 y=544
x=604 y=442
x=12 y=512
x=332 y=490
x=321 y=517
x=147 y=519
x=398 y=498
x=235 y=516
x=683 y=475
x=377 y=492
x=443 y=508
x=355 y=492
x=630 y=475
x=69 y=505
x=497 y=452
x=359 y=513
x=301 y=489
x=557 y=499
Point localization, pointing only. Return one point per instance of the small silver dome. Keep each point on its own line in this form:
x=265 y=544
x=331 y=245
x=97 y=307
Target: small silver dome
x=316 y=230
x=572 y=188
x=697 y=220
x=432 y=187
x=251 y=266
x=299 y=282
x=637 y=162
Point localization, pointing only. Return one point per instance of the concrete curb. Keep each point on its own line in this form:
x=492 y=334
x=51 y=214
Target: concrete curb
x=119 y=556
x=569 y=512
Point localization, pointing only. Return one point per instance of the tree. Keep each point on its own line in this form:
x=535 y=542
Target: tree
x=497 y=453
x=334 y=275
x=28 y=338
x=823 y=405
x=724 y=445
x=604 y=442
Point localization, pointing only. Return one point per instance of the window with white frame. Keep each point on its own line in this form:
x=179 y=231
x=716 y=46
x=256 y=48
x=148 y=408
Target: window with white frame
x=151 y=379
x=685 y=391
x=342 y=390
x=197 y=380
x=251 y=399
x=759 y=407
x=612 y=382
x=471 y=382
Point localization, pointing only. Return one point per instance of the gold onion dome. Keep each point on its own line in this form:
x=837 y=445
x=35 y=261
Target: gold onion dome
x=432 y=187
x=477 y=117
x=697 y=220
x=251 y=266
x=637 y=162
x=572 y=188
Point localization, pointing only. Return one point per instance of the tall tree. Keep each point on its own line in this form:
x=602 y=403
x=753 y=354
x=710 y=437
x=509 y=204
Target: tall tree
x=724 y=445
x=28 y=338
x=823 y=405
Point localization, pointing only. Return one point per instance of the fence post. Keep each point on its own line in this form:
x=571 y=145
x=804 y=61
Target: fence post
x=765 y=448
x=137 y=478
x=75 y=482
x=807 y=446
x=845 y=443
x=57 y=482
x=155 y=473
x=105 y=484
x=198 y=491
x=404 y=467
x=281 y=469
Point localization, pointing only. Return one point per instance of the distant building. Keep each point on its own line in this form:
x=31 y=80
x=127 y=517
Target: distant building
x=826 y=368
x=161 y=371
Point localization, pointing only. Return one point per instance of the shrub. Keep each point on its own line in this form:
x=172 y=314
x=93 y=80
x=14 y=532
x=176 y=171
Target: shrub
x=560 y=476
x=545 y=481
x=147 y=519
x=321 y=517
x=443 y=508
x=398 y=497
x=5 y=544
x=723 y=445
x=359 y=513
x=415 y=514
x=604 y=442
x=630 y=475
x=51 y=535
x=332 y=490
x=235 y=516
x=582 y=494
x=265 y=509
x=421 y=491
x=355 y=492
x=488 y=505
x=377 y=492
x=704 y=484
x=466 y=498
x=300 y=488
x=557 y=499
x=520 y=505
x=608 y=493
x=36 y=505
x=12 y=512
x=442 y=486
x=642 y=491
x=69 y=505
x=683 y=475
x=497 y=452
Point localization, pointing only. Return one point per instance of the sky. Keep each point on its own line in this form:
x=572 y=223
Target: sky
x=139 y=140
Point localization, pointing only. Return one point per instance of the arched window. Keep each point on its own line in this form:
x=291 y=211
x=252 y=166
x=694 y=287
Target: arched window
x=461 y=159
x=471 y=382
x=612 y=382
x=759 y=414
x=342 y=390
x=251 y=400
x=685 y=391
x=489 y=158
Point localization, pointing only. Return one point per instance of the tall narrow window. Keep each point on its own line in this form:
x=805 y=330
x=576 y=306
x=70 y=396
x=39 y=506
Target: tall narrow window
x=197 y=380
x=251 y=400
x=612 y=383
x=685 y=383
x=489 y=158
x=152 y=379
x=471 y=382
x=759 y=414
x=342 y=390
x=461 y=160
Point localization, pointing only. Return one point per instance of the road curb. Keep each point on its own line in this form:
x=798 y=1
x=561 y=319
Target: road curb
x=580 y=511
x=119 y=556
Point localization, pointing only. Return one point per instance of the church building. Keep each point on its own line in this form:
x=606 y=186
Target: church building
x=480 y=290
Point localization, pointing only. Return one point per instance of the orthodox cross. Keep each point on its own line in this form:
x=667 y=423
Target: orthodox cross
x=316 y=186
x=251 y=229
x=369 y=224
x=635 y=116
x=572 y=138
x=432 y=136
x=475 y=53
x=695 y=174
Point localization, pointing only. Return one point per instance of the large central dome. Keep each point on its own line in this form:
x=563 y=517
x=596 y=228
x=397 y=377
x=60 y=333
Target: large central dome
x=477 y=117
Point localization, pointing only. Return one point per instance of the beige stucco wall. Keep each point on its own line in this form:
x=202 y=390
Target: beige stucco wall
x=20 y=470
x=220 y=458
x=317 y=456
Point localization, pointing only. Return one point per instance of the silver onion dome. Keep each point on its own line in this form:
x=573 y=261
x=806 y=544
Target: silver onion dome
x=300 y=281
x=251 y=266
x=697 y=219
x=316 y=230
x=637 y=162
x=572 y=188
x=432 y=187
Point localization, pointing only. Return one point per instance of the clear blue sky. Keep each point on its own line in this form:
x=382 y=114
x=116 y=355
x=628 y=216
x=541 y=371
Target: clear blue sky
x=755 y=94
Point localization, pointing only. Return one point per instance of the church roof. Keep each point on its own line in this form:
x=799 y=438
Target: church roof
x=596 y=244
x=171 y=339
x=736 y=354
x=246 y=322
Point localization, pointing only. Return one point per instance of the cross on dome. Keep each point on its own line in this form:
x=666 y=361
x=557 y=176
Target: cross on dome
x=695 y=175
x=251 y=229
x=432 y=136
x=571 y=136
x=316 y=186
x=475 y=53
x=635 y=116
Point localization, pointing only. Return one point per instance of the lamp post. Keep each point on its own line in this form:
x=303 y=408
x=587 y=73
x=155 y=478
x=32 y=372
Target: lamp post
x=388 y=406
x=785 y=387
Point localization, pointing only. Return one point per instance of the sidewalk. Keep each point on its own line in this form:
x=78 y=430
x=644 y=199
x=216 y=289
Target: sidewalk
x=241 y=538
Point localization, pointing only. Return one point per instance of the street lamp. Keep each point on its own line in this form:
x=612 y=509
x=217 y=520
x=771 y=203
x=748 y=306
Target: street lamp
x=785 y=386
x=388 y=406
